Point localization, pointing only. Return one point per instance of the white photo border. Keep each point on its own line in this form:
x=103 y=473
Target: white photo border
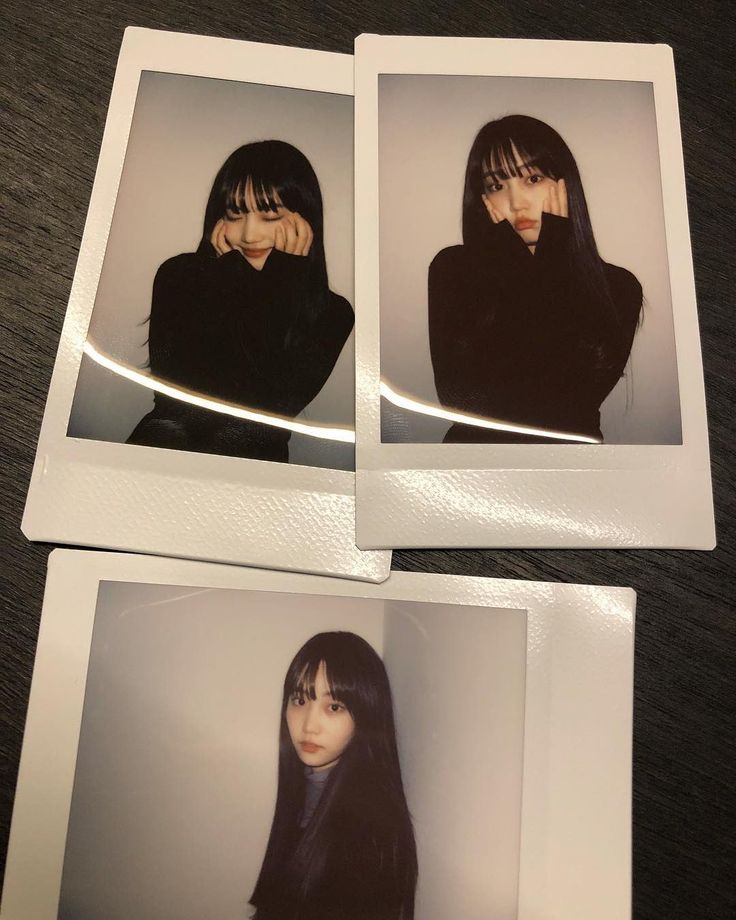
x=527 y=495
x=575 y=858
x=170 y=502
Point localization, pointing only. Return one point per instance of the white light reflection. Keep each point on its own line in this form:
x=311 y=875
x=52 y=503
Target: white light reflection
x=405 y=402
x=345 y=435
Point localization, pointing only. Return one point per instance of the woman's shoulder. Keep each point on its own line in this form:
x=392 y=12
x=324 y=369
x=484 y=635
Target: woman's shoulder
x=179 y=265
x=625 y=288
x=340 y=311
x=449 y=259
x=189 y=274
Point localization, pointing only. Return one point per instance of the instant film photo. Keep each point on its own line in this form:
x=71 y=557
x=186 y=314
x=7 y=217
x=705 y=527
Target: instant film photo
x=215 y=741
x=528 y=360
x=202 y=399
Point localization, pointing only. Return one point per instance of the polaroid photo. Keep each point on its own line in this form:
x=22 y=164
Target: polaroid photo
x=202 y=402
x=204 y=740
x=528 y=361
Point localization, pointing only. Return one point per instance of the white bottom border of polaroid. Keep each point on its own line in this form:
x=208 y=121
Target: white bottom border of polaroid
x=217 y=509
x=668 y=508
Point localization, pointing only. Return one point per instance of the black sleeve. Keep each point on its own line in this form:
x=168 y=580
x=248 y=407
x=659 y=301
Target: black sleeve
x=307 y=341
x=221 y=328
x=170 y=325
x=470 y=325
x=193 y=317
x=453 y=327
x=627 y=296
x=552 y=252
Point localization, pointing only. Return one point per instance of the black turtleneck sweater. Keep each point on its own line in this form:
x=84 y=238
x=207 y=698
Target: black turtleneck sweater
x=223 y=330
x=315 y=786
x=522 y=338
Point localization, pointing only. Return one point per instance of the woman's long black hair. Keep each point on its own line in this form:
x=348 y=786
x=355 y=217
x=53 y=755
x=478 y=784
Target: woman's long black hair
x=276 y=170
x=356 y=858
x=492 y=156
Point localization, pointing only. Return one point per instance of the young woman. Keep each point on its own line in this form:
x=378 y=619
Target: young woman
x=528 y=325
x=248 y=319
x=341 y=844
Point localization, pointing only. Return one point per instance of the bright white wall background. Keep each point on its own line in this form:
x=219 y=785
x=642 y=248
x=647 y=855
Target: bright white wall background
x=427 y=125
x=183 y=130
x=176 y=772
x=458 y=680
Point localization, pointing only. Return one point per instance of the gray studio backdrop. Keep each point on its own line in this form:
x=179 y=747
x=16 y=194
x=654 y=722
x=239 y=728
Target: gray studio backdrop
x=183 y=130
x=427 y=125
x=175 y=780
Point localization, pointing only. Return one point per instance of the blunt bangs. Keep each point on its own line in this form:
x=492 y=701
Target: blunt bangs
x=266 y=195
x=304 y=685
x=501 y=160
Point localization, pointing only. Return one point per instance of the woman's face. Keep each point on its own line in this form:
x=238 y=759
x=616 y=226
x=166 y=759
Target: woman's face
x=520 y=199
x=320 y=729
x=251 y=231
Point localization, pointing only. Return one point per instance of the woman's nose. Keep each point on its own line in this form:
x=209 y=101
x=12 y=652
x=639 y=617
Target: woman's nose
x=311 y=719
x=251 y=227
x=518 y=198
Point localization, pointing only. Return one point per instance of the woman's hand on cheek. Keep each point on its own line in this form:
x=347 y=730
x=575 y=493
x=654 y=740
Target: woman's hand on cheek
x=556 y=200
x=492 y=212
x=219 y=240
x=293 y=235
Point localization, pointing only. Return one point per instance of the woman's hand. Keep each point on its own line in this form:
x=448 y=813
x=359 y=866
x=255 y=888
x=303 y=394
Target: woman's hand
x=556 y=200
x=218 y=239
x=293 y=235
x=492 y=212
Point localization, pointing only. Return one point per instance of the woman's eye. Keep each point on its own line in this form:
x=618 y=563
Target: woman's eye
x=495 y=187
x=535 y=180
x=336 y=707
x=232 y=215
x=270 y=218
x=297 y=700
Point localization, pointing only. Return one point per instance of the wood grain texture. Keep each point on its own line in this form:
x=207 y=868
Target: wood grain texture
x=57 y=69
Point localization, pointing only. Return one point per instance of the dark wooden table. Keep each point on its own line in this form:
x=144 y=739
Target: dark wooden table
x=58 y=63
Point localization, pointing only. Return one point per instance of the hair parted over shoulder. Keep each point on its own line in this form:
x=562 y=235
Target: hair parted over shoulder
x=276 y=169
x=356 y=859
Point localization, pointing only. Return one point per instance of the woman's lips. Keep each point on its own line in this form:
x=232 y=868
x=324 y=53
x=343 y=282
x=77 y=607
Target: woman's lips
x=255 y=253
x=525 y=224
x=309 y=748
